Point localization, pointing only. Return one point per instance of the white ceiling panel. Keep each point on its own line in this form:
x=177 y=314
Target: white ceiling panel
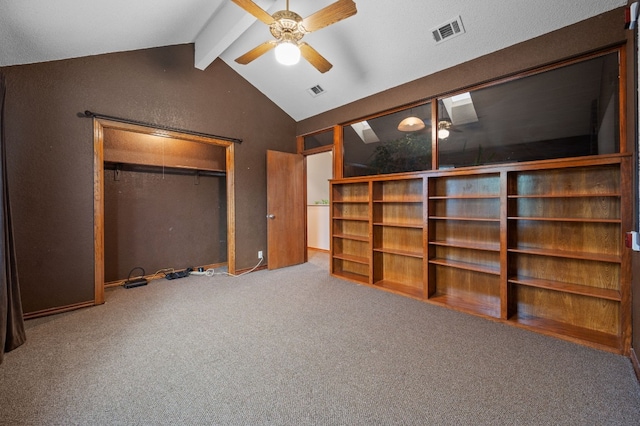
x=384 y=45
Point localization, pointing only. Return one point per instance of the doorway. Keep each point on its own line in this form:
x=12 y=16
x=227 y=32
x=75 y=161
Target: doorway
x=102 y=125
x=319 y=172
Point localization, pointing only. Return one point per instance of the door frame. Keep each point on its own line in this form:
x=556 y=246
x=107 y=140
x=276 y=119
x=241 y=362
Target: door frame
x=99 y=124
x=306 y=182
x=336 y=150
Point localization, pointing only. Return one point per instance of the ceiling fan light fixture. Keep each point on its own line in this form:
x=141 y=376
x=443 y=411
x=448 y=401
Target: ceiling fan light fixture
x=288 y=28
x=411 y=124
x=287 y=53
x=443 y=129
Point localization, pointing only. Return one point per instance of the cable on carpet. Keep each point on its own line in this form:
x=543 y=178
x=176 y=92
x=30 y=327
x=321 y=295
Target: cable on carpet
x=211 y=272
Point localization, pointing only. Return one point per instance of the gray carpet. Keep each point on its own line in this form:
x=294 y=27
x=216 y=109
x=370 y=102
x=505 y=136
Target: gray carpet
x=296 y=346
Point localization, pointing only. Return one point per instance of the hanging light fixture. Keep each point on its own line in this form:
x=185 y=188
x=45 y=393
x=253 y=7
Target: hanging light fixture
x=443 y=129
x=287 y=53
x=411 y=124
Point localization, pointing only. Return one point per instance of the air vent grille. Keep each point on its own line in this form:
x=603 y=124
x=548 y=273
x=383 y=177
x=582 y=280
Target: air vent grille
x=315 y=90
x=448 y=30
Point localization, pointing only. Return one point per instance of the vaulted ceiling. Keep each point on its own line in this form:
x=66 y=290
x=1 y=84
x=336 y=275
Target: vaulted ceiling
x=387 y=43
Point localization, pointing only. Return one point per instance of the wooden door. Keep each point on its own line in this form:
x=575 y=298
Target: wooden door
x=286 y=238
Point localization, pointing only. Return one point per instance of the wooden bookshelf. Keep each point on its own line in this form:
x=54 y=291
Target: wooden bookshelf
x=565 y=251
x=464 y=242
x=398 y=236
x=350 y=244
x=537 y=245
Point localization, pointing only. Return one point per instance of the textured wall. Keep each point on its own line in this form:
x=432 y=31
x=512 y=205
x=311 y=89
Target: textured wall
x=50 y=152
x=158 y=220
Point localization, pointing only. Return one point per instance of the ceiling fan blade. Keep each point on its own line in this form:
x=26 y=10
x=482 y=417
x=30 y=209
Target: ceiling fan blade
x=329 y=15
x=256 y=52
x=255 y=10
x=314 y=58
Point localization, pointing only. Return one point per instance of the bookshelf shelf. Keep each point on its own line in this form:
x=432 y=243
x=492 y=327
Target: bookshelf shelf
x=537 y=245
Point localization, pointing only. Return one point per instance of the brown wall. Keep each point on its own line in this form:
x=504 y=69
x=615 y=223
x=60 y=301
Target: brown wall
x=157 y=220
x=49 y=151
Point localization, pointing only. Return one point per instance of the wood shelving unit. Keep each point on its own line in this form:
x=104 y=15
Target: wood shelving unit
x=398 y=236
x=464 y=242
x=350 y=231
x=565 y=251
x=538 y=245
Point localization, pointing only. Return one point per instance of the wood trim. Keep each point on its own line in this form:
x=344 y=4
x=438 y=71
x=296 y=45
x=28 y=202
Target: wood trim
x=625 y=272
x=99 y=124
x=98 y=211
x=231 y=209
x=305 y=184
x=504 y=245
x=622 y=102
x=497 y=168
x=315 y=132
x=300 y=144
x=135 y=128
x=245 y=270
x=338 y=153
x=426 y=290
x=370 y=219
x=58 y=310
x=319 y=250
x=317 y=150
x=305 y=153
x=435 y=152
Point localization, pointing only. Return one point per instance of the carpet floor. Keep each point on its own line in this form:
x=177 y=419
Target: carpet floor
x=296 y=346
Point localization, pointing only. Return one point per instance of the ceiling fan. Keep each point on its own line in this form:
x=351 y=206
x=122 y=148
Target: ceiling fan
x=288 y=28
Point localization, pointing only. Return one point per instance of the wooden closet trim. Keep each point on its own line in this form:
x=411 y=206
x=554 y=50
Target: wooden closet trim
x=99 y=125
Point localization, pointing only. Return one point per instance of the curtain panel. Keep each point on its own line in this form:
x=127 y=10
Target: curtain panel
x=12 y=332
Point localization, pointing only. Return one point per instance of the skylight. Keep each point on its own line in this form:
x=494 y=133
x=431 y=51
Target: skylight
x=462 y=97
x=365 y=132
x=460 y=108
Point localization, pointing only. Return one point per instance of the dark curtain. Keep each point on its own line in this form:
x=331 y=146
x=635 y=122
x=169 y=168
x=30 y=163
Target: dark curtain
x=12 y=332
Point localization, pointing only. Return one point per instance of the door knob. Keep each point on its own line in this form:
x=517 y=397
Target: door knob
x=271 y=216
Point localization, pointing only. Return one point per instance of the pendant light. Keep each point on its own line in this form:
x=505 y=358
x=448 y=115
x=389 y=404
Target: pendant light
x=411 y=124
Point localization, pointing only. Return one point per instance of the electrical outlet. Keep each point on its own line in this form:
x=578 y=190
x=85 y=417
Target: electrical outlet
x=260 y=254
x=631 y=241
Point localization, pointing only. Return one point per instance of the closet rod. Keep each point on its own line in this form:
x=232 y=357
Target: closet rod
x=90 y=114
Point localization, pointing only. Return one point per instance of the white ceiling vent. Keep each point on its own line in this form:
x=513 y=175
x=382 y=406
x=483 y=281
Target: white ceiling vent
x=448 y=30
x=315 y=90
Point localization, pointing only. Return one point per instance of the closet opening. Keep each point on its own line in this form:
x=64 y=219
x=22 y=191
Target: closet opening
x=162 y=199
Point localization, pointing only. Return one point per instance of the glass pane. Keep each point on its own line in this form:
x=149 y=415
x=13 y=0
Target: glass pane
x=319 y=139
x=566 y=112
x=377 y=146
